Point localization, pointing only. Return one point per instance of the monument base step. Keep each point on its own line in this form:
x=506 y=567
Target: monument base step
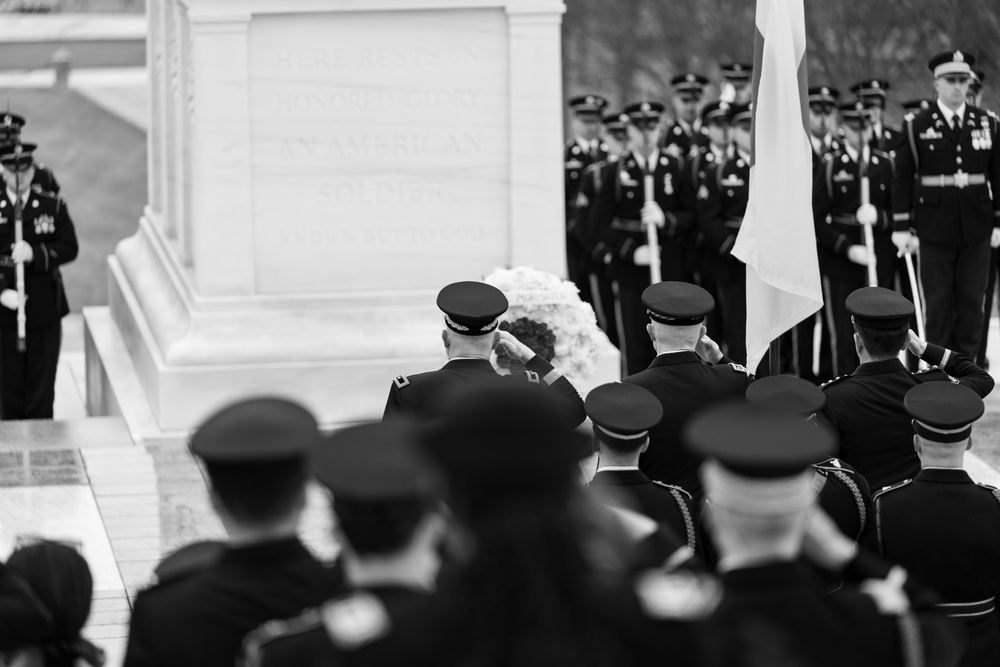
x=61 y=434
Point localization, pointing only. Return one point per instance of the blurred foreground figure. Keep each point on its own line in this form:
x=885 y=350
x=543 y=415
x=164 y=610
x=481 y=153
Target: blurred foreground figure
x=472 y=313
x=208 y=596
x=759 y=480
x=942 y=526
x=389 y=527
x=24 y=622
x=60 y=577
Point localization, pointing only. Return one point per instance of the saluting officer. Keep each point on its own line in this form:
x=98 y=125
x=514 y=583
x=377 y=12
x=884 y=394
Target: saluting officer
x=688 y=373
x=594 y=179
x=844 y=492
x=389 y=527
x=472 y=313
x=839 y=218
x=623 y=415
x=721 y=203
x=941 y=525
x=866 y=407
x=255 y=454
x=737 y=87
x=759 y=481
x=947 y=187
x=872 y=94
x=686 y=131
x=10 y=133
x=586 y=148
x=27 y=378
x=620 y=215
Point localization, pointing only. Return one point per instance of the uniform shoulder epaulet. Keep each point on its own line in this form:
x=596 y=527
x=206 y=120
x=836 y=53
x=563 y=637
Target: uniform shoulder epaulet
x=739 y=368
x=187 y=561
x=831 y=464
x=401 y=381
x=671 y=486
x=927 y=370
x=994 y=491
x=677 y=595
x=254 y=642
x=889 y=489
x=533 y=377
x=356 y=621
x=834 y=380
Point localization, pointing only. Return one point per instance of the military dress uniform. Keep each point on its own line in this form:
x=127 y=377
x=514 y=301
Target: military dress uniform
x=578 y=154
x=721 y=204
x=684 y=383
x=942 y=526
x=836 y=198
x=865 y=408
x=470 y=308
x=616 y=219
x=680 y=137
x=10 y=133
x=27 y=387
x=947 y=184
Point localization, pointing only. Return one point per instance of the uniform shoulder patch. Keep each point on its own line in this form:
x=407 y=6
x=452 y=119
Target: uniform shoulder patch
x=356 y=621
x=401 y=381
x=834 y=380
x=889 y=489
x=682 y=596
x=739 y=368
x=992 y=489
x=671 y=486
x=533 y=377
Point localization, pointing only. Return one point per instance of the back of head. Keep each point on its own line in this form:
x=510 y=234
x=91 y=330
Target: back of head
x=255 y=453
x=61 y=579
x=24 y=620
x=881 y=319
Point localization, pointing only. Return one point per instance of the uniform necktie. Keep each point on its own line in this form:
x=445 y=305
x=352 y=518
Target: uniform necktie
x=956 y=123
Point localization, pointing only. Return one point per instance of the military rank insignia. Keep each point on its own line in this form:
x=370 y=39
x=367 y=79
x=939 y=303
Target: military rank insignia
x=45 y=224
x=668 y=184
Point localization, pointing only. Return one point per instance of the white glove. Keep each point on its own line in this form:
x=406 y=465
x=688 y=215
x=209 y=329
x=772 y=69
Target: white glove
x=903 y=242
x=995 y=239
x=21 y=252
x=8 y=299
x=867 y=214
x=858 y=254
x=652 y=214
x=641 y=256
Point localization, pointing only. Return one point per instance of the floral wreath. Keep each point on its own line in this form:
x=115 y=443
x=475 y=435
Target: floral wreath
x=547 y=315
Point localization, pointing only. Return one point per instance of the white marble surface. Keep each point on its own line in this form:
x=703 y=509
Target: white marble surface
x=17 y=27
x=60 y=513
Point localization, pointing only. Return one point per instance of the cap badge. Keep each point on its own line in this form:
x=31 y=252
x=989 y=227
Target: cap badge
x=690 y=78
x=824 y=90
x=590 y=99
x=644 y=106
x=7 y=120
x=958 y=57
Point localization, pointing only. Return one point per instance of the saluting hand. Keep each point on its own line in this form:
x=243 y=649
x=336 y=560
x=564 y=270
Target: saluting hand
x=513 y=348
x=914 y=345
x=708 y=350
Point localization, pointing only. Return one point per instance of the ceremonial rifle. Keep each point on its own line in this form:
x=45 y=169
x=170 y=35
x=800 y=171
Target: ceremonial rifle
x=652 y=238
x=865 y=200
x=22 y=318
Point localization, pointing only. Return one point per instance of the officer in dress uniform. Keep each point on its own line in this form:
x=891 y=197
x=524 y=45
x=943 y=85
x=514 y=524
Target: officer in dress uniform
x=975 y=98
x=812 y=351
x=872 y=93
x=471 y=318
x=389 y=526
x=594 y=249
x=721 y=203
x=941 y=525
x=759 y=481
x=620 y=216
x=623 y=414
x=10 y=133
x=717 y=120
x=585 y=149
x=843 y=492
x=686 y=131
x=28 y=377
x=255 y=454
x=688 y=373
x=947 y=185
x=866 y=407
x=737 y=87
x=839 y=217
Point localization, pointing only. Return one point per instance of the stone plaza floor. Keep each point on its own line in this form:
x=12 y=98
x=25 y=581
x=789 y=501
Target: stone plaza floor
x=83 y=480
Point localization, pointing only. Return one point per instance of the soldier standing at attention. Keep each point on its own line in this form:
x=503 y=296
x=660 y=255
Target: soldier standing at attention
x=10 y=133
x=872 y=94
x=620 y=214
x=472 y=313
x=28 y=378
x=975 y=98
x=738 y=85
x=594 y=179
x=941 y=525
x=686 y=131
x=840 y=217
x=866 y=407
x=585 y=149
x=721 y=203
x=948 y=190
